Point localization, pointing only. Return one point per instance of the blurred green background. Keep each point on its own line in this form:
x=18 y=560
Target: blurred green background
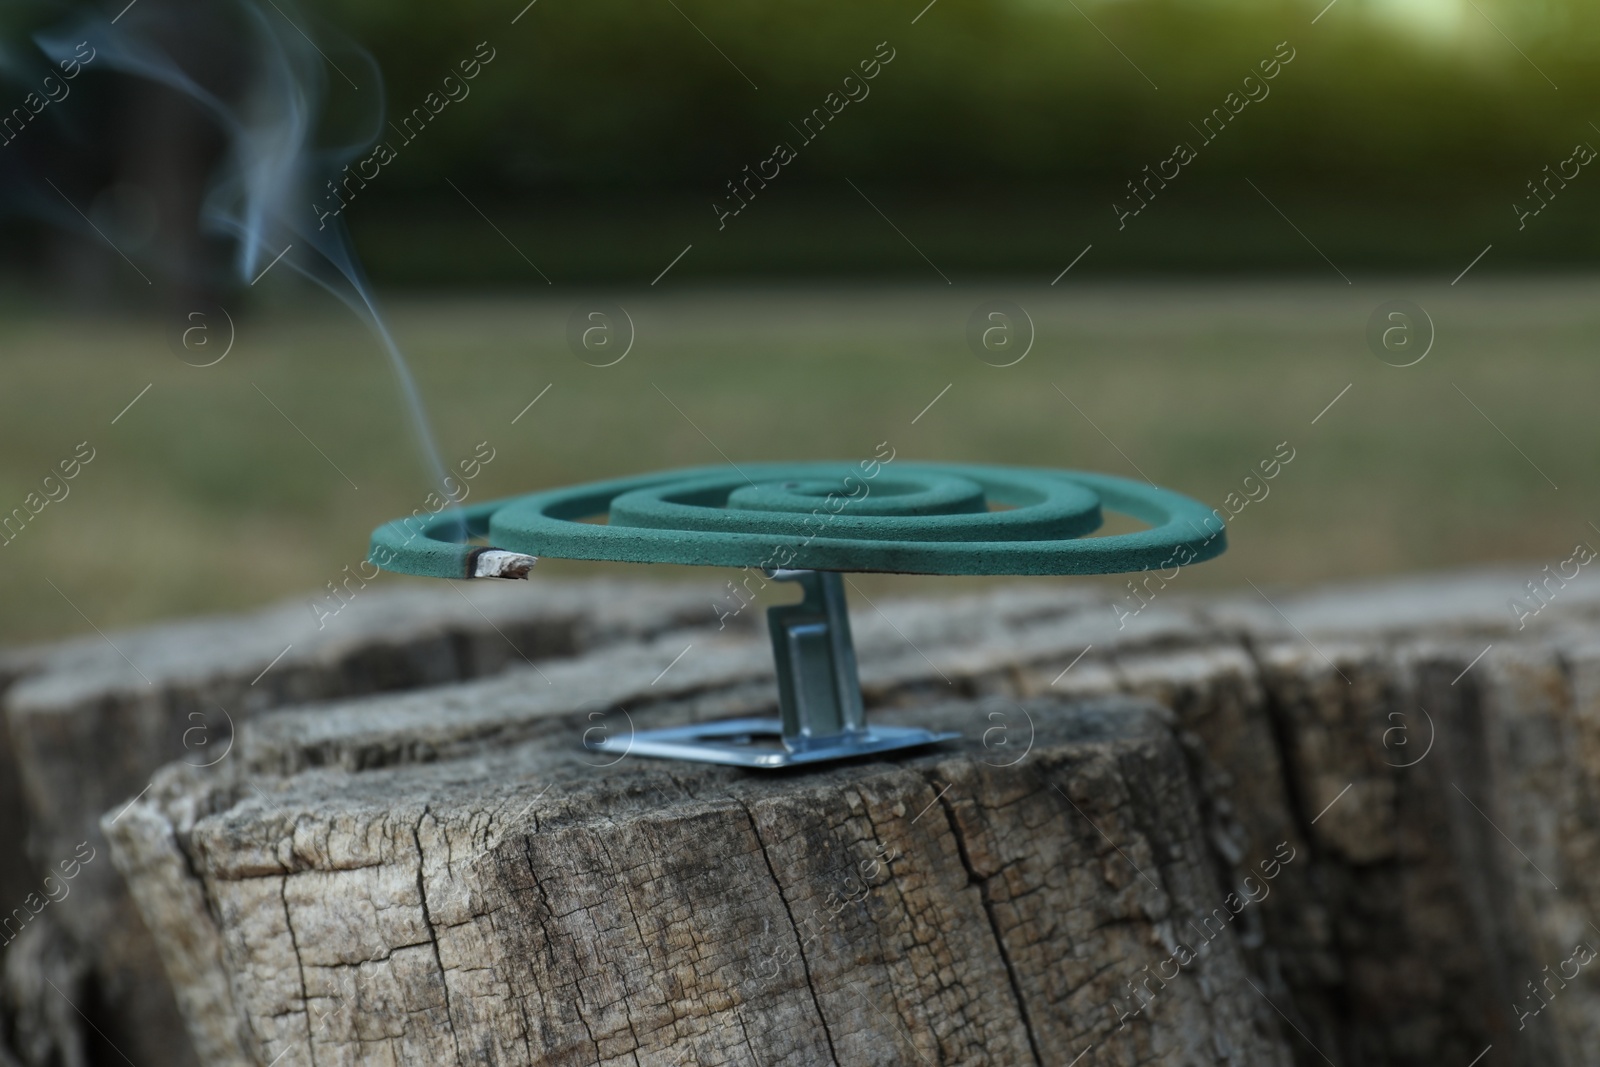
x=997 y=139
x=821 y=320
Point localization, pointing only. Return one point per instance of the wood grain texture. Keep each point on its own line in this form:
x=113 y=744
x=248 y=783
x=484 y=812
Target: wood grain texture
x=1441 y=804
x=90 y=720
x=524 y=906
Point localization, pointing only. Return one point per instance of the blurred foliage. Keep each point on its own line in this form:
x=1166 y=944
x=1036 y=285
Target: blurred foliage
x=1001 y=133
x=1437 y=111
x=623 y=92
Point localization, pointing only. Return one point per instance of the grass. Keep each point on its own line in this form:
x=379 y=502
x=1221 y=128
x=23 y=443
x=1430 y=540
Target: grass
x=203 y=497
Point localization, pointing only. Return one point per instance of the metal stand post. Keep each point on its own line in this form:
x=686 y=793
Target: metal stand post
x=819 y=696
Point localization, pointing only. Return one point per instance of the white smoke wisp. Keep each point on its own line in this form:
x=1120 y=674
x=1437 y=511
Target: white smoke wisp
x=262 y=195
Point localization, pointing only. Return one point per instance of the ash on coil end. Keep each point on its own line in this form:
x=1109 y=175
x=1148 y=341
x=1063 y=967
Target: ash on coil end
x=498 y=563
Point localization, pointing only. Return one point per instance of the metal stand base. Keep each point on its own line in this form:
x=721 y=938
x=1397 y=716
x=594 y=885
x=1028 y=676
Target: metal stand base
x=759 y=743
x=819 y=697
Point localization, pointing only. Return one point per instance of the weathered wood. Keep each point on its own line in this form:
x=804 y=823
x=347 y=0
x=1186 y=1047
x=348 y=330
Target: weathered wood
x=727 y=671
x=43 y=977
x=525 y=906
x=91 y=719
x=18 y=877
x=1424 y=896
x=1410 y=754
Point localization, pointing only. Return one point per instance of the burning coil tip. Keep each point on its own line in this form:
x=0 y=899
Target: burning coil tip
x=498 y=563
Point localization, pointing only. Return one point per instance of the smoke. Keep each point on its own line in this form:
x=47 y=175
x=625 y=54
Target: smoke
x=262 y=195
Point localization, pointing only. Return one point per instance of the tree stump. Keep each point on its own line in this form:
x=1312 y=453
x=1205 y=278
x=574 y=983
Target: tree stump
x=439 y=872
x=519 y=904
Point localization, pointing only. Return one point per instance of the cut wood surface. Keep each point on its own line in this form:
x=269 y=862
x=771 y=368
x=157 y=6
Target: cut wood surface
x=522 y=905
x=90 y=720
x=438 y=873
